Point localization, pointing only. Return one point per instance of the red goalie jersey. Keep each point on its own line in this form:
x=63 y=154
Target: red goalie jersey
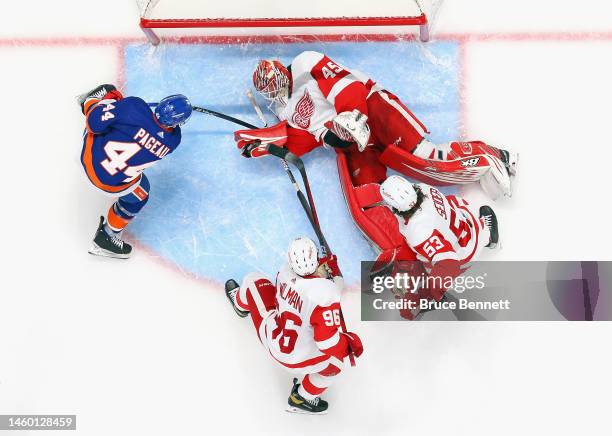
x=321 y=89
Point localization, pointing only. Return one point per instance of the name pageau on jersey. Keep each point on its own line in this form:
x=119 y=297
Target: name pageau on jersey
x=321 y=89
x=122 y=139
x=310 y=307
x=444 y=228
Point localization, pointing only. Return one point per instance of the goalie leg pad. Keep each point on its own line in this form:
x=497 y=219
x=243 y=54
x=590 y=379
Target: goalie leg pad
x=475 y=155
x=365 y=167
x=377 y=223
x=436 y=172
x=391 y=122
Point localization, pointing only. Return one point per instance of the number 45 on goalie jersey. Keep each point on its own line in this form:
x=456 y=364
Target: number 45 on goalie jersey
x=122 y=138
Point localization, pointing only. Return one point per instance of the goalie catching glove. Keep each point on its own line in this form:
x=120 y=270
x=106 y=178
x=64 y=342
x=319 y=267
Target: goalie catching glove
x=352 y=127
x=254 y=142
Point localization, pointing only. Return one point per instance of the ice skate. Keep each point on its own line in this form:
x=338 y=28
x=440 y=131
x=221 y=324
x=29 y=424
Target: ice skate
x=109 y=245
x=231 y=290
x=299 y=404
x=490 y=220
x=510 y=161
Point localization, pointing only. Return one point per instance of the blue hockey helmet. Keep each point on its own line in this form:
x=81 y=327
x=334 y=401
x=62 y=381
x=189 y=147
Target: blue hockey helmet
x=173 y=110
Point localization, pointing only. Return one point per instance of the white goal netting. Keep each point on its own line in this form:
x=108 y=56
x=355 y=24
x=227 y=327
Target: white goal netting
x=184 y=17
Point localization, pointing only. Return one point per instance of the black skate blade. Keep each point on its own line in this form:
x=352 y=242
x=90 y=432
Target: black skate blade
x=240 y=313
x=98 y=251
x=297 y=410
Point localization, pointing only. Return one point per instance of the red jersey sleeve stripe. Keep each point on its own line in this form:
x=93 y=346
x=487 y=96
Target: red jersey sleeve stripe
x=331 y=342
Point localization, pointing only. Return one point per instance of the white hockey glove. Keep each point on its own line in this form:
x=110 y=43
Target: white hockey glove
x=353 y=127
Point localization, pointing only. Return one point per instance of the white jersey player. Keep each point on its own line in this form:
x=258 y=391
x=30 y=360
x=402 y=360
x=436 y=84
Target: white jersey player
x=298 y=321
x=443 y=231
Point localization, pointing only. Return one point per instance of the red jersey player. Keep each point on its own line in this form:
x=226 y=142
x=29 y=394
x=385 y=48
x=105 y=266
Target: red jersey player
x=321 y=102
x=298 y=321
x=444 y=232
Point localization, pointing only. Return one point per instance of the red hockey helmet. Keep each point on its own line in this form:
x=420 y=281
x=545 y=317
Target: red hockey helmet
x=272 y=80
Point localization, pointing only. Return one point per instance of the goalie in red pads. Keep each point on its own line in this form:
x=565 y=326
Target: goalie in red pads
x=298 y=321
x=320 y=102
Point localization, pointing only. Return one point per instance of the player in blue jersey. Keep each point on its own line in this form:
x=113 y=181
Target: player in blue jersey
x=123 y=137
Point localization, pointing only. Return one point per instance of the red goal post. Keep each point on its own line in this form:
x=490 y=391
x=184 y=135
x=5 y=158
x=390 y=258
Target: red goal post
x=235 y=14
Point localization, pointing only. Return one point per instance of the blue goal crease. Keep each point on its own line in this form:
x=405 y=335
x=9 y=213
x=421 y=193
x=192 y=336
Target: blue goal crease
x=218 y=215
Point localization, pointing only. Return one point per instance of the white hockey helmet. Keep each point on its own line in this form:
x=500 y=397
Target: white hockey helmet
x=398 y=193
x=303 y=256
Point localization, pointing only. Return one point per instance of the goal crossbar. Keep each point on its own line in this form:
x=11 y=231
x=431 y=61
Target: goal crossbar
x=148 y=24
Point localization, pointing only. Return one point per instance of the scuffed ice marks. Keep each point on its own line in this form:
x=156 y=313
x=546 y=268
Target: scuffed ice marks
x=218 y=215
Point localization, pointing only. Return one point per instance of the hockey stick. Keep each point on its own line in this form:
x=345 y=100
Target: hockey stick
x=203 y=110
x=285 y=156
x=308 y=206
x=225 y=117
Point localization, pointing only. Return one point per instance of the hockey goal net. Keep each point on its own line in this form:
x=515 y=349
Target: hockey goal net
x=179 y=17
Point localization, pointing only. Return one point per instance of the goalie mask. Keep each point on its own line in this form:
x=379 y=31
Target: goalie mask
x=303 y=256
x=272 y=80
x=398 y=193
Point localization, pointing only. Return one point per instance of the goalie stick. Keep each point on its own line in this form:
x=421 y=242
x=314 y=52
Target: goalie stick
x=285 y=155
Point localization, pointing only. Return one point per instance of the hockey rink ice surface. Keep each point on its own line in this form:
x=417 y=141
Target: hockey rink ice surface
x=150 y=346
x=232 y=215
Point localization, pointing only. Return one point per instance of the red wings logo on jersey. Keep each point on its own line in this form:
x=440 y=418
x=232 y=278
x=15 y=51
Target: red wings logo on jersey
x=303 y=111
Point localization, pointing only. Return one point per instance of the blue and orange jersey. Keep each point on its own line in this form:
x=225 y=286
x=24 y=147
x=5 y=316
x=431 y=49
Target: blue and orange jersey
x=122 y=138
